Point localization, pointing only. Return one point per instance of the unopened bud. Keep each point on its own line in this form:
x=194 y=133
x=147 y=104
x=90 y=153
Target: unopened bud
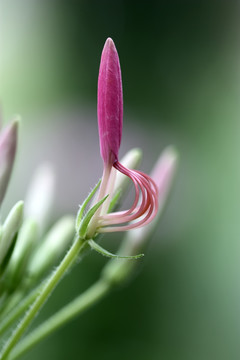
x=26 y=240
x=39 y=199
x=53 y=246
x=110 y=103
x=8 y=144
x=9 y=229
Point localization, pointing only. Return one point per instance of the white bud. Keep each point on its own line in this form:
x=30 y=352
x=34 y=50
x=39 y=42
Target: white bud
x=39 y=199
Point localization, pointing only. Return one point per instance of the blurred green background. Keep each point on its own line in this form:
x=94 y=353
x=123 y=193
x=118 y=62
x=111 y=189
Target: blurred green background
x=180 y=68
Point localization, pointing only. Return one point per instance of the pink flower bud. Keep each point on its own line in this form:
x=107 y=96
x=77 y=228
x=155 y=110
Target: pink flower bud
x=8 y=144
x=110 y=114
x=110 y=103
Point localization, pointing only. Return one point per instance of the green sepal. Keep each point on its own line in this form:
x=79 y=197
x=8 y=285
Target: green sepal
x=114 y=201
x=82 y=231
x=83 y=206
x=106 y=253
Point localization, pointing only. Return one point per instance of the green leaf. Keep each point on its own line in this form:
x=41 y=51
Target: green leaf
x=106 y=253
x=84 y=224
x=83 y=206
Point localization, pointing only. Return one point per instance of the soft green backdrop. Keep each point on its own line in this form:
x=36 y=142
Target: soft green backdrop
x=180 y=65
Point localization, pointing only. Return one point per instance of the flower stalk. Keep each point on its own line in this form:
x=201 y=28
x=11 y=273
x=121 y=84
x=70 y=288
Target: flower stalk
x=51 y=283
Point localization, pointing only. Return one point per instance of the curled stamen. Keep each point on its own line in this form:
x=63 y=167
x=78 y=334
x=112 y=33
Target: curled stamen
x=140 y=214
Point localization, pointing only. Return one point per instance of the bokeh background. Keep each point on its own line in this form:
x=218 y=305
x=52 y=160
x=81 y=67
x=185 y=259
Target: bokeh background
x=180 y=68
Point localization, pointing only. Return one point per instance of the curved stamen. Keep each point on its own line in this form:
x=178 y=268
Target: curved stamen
x=121 y=214
x=127 y=215
x=146 y=210
x=143 y=181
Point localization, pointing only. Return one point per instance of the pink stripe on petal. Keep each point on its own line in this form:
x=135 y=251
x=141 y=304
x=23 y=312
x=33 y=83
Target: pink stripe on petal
x=110 y=103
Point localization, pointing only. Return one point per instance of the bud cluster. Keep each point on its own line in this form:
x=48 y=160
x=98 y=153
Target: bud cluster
x=29 y=253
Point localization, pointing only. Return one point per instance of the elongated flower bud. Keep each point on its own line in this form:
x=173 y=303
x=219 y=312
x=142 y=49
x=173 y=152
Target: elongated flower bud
x=110 y=114
x=8 y=143
x=40 y=196
x=53 y=246
x=27 y=238
x=10 y=228
x=110 y=103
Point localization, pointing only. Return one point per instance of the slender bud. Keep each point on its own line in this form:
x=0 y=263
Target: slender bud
x=26 y=240
x=53 y=246
x=164 y=173
x=10 y=228
x=1 y=116
x=8 y=144
x=110 y=103
x=39 y=199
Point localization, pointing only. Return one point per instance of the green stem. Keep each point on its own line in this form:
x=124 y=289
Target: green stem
x=57 y=275
x=15 y=313
x=76 y=307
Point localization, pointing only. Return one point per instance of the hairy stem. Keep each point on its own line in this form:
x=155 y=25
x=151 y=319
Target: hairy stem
x=74 y=308
x=54 y=279
x=17 y=311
